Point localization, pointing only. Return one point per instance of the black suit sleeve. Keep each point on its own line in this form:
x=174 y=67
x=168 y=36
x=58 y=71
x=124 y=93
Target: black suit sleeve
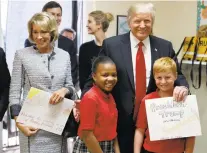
x=74 y=62
x=83 y=67
x=69 y=46
x=181 y=80
x=27 y=43
x=4 y=84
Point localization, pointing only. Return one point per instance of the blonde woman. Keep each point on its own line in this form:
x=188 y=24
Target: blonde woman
x=98 y=23
x=45 y=67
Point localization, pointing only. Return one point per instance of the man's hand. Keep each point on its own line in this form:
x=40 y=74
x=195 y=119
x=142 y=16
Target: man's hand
x=26 y=130
x=180 y=93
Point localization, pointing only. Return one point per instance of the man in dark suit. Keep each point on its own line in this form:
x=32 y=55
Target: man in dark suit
x=4 y=84
x=69 y=33
x=64 y=43
x=123 y=51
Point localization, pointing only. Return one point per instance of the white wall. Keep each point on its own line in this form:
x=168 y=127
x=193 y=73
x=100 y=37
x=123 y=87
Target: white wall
x=17 y=19
x=173 y=21
x=1 y=36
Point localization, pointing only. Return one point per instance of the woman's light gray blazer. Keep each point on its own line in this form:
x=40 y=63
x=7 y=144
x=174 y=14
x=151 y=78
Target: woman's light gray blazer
x=48 y=72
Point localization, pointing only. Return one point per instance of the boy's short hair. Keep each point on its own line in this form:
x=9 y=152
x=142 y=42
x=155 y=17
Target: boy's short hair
x=164 y=64
x=100 y=60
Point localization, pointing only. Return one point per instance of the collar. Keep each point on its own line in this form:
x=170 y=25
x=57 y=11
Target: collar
x=101 y=92
x=96 y=42
x=52 y=53
x=135 y=41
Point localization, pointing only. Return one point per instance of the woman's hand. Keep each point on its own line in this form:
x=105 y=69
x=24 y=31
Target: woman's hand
x=26 y=130
x=58 y=96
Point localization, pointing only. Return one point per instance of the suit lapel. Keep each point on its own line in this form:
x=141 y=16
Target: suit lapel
x=154 y=55
x=59 y=41
x=154 y=50
x=127 y=56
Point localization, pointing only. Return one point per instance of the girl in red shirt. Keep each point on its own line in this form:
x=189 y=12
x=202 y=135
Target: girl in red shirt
x=98 y=113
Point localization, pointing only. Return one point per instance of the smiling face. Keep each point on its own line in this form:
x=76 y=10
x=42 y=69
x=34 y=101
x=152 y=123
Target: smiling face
x=141 y=25
x=92 y=26
x=40 y=37
x=165 y=80
x=57 y=13
x=105 y=76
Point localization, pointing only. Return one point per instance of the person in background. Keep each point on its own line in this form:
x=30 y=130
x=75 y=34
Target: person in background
x=62 y=42
x=69 y=33
x=134 y=54
x=98 y=23
x=4 y=84
x=47 y=68
x=165 y=74
x=98 y=113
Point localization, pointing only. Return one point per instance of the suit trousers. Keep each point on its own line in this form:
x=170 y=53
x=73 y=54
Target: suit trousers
x=126 y=131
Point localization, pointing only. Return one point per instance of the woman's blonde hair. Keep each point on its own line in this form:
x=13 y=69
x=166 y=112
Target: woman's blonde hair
x=47 y=23
x=165 y=64
x=102 y=18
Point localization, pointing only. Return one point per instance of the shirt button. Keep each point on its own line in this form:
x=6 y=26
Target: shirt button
x=52 y=76
x=44 y=62
x=49 y=87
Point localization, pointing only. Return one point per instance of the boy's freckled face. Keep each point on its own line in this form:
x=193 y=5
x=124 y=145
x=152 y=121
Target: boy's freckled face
x=165 y=80
x=105 y=76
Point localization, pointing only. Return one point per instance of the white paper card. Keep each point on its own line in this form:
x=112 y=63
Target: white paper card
x=37 y=112
x=168 y=119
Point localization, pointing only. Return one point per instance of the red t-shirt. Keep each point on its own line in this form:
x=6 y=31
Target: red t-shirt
x=98 y=113
x=161 y=146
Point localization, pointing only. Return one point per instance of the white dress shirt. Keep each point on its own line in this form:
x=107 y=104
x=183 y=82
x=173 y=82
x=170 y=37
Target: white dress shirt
x=146 y=48
x=56 y=43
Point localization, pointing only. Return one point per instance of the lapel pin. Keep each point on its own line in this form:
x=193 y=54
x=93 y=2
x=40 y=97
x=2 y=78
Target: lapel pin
x=155 y=49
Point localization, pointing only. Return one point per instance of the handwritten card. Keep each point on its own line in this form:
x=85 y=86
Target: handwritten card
x=168 y=119
x=37 y=112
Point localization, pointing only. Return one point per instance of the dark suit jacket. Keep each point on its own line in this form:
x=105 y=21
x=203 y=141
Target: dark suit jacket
x=4 y=84
x=118 y=48
x=67 y=45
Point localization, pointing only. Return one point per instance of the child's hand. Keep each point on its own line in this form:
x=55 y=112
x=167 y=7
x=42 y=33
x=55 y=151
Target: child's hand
x=76 y=110
x=77 y=104
x=76 y=114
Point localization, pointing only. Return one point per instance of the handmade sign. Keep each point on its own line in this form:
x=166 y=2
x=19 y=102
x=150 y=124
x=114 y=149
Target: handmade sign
x=39 y=113
x=168 y=119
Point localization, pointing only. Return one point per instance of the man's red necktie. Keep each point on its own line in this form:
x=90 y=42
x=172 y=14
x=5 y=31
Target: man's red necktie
x=140 y=79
